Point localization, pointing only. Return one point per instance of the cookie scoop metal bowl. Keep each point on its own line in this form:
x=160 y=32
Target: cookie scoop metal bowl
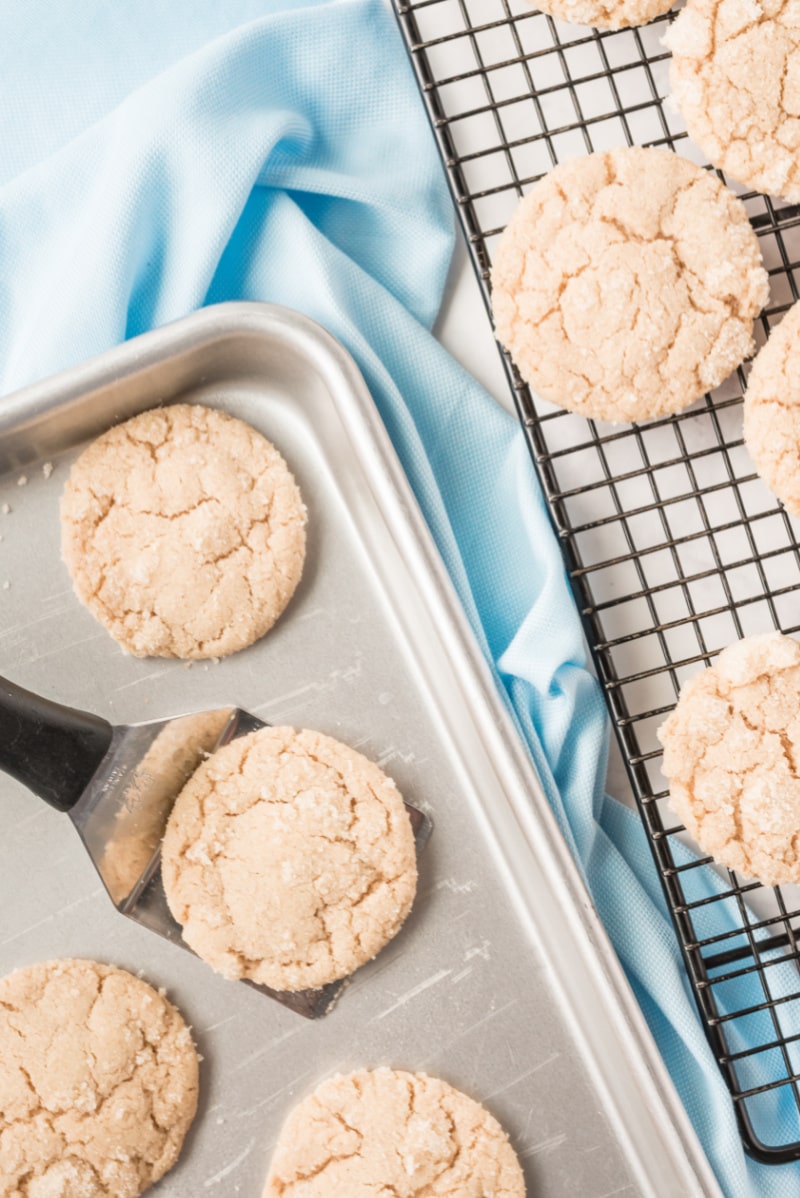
x=118 y=784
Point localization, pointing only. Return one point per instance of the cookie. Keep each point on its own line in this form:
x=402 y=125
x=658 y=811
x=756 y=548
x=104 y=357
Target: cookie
x=384 y=1132
x=605 y=14
x=735 y=76
x=772 y=411
x=626 y=284
x=184 y=532
x=732 y=758
x=289 y=859
x=98 y=1082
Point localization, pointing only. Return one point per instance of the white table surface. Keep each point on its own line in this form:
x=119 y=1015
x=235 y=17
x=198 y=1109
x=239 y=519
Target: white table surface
x=464 y=329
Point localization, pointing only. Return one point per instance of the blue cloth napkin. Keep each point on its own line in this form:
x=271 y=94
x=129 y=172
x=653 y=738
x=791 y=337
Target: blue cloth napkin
x=157 y=157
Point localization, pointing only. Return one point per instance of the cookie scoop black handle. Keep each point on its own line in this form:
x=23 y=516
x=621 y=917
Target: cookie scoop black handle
x=53 y=750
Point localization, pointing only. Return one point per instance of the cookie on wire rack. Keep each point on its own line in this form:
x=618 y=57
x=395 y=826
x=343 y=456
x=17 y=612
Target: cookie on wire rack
x=732 y=758
x=626 y=284
x=772 y=411
x=735 y=76
x=605 y=14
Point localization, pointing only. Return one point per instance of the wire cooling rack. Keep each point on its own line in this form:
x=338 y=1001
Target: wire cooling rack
x=673 y=546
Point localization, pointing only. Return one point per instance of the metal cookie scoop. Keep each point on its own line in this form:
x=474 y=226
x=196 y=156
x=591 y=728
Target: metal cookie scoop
x=118 y=785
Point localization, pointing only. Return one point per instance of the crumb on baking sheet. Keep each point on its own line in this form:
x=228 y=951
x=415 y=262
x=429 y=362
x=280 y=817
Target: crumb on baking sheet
x=22 y=481
x=5 y=509
x=47 y=469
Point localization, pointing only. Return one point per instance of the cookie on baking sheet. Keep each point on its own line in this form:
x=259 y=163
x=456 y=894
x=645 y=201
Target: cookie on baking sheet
x=289 y=859
x=390 y=1132
x=772 y=411
x=605 y=14
x=626 y=284
x=98 y=1082
x=735 y=76
x=732 y=758
x=184 y=532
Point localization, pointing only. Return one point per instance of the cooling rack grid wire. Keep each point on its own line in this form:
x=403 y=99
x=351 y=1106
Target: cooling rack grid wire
x=673 y=545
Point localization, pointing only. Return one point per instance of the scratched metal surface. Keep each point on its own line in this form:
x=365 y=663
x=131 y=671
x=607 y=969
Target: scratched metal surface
x=468 y=990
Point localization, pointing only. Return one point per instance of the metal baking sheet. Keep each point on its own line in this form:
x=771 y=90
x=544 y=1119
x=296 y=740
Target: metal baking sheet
x=502 y=981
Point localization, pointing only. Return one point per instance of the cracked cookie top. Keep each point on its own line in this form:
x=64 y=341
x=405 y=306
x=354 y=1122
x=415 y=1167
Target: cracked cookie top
x=387 y=1132
x=732 y=758
x=735 y=75
x=772 y=411
x=98 y=1082
x=605 y=14
x=626 y=284
x=289 y=859
x=184 y=532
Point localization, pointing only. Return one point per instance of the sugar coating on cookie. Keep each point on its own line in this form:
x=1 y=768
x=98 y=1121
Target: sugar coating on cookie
x=626 y=284
x=184 y=532
x=605 y=14
x=98 y=1082
x=388 y=1132
x=289 y=859
x=772 y=411
x=735 y=75
x=732 y=758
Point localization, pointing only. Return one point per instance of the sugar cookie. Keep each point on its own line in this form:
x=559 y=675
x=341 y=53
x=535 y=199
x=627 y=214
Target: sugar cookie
x=772 y=411
x=387 y=1132
x=735 y=75
x=98 y=1082
x=626 y=284
x=732 y=754
x=605 y=14
x=184 y=532
x=289 y=859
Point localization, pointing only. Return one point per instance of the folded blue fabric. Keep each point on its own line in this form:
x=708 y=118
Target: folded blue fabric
x=157 y=157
